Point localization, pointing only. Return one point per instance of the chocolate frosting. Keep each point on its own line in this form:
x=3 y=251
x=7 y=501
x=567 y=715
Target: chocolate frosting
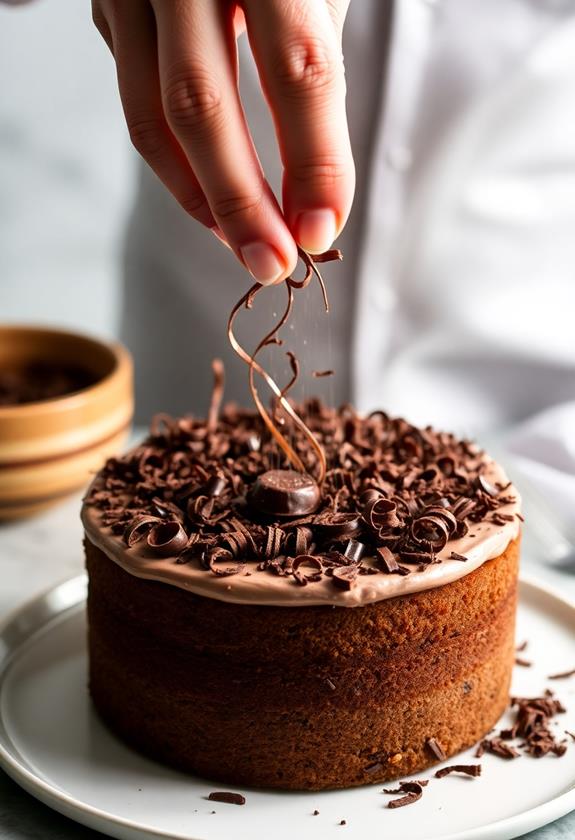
x=402 y=509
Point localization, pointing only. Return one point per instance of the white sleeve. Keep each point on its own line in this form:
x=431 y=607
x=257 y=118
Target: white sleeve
x=540 y=454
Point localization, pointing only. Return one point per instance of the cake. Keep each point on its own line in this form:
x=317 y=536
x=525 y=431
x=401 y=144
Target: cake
x=236 y=638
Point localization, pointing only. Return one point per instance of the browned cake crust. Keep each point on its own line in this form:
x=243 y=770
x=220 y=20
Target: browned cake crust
x=300 y=697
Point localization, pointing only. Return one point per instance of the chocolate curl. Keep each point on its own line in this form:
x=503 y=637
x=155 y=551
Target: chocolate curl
x=217 y=393
x=254 y=366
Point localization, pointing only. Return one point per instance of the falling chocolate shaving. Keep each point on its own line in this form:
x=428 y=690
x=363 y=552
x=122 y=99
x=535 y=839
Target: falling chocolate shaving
x=523 y=646
x=466 y=769
x=435 y=747
x=217 y=394
x=254 y=366
x=524 y=663
x=319 y=374
x=228 y=797
x=562 y=676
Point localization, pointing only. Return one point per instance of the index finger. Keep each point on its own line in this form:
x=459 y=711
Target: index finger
x=297 y=50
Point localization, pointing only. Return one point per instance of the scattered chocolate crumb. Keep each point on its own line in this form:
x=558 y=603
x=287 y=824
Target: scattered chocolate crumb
x=467 y=769
x=227 y=797
x=520 y=648
x=315 y=813
x=455 y=556
x=525 y=663
x=532 y=721
x=435 y=747
x=563 y=675
x=343 y=822
x=412 y=790
x=212 y=812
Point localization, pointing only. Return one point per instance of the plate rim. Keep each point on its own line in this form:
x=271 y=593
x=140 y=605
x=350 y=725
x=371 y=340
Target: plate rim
x=99 y=820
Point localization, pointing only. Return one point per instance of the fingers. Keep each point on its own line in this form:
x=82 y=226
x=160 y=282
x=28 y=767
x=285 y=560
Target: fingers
x=197 y=63
x=131 y=30
x=297 y=48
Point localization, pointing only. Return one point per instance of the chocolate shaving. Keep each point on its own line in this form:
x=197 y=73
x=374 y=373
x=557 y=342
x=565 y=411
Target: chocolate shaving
x=466 y=769
x=254 y=366
x=523 y=646
x=413 y=791
x=532 y=725
x=311 y=571
x=497 y=747
x=435 y=747
x=562 y=676
x=524 y=663
x=455 y=556
x=228 y=797
x=217 y=394
x=139 y=528
x=167 y=538
x=318 y=374
x=345 y=577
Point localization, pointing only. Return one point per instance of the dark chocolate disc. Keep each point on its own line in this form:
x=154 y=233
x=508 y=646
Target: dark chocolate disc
x=284 y=493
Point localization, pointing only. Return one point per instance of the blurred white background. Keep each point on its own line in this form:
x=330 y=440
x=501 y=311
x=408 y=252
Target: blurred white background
x=66 y=168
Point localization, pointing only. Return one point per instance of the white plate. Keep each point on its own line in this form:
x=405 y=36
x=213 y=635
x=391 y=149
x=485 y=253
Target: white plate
x=53 y=745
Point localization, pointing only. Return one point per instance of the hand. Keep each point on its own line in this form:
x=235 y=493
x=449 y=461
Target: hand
x=177 y=74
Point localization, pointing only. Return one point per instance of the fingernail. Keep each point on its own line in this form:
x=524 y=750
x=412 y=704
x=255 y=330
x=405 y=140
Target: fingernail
x=262 y=262
x=219 y=235
x=316 y=230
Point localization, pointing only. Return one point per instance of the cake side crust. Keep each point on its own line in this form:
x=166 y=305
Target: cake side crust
x=300 y=697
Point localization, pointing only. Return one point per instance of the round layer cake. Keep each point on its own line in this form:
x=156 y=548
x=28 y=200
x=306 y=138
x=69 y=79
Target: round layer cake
x=360 y=641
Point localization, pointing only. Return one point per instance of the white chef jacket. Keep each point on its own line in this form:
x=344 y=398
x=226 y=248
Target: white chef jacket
x=455 y=303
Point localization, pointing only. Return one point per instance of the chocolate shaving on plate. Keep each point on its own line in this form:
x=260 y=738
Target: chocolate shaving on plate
x=524 y=663
x=533 y=717
x=562 y=676
x=412 y=790
x=466 y=769
x=228 y=797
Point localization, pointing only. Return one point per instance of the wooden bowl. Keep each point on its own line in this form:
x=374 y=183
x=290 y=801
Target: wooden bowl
x=50 y=447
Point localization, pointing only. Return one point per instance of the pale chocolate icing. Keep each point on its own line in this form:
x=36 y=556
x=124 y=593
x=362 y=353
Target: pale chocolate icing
x=484 y=541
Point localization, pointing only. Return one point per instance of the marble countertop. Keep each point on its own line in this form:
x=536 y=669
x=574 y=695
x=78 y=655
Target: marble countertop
x=37 y=553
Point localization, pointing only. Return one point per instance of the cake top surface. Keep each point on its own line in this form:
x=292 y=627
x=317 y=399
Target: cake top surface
x=401 y=509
